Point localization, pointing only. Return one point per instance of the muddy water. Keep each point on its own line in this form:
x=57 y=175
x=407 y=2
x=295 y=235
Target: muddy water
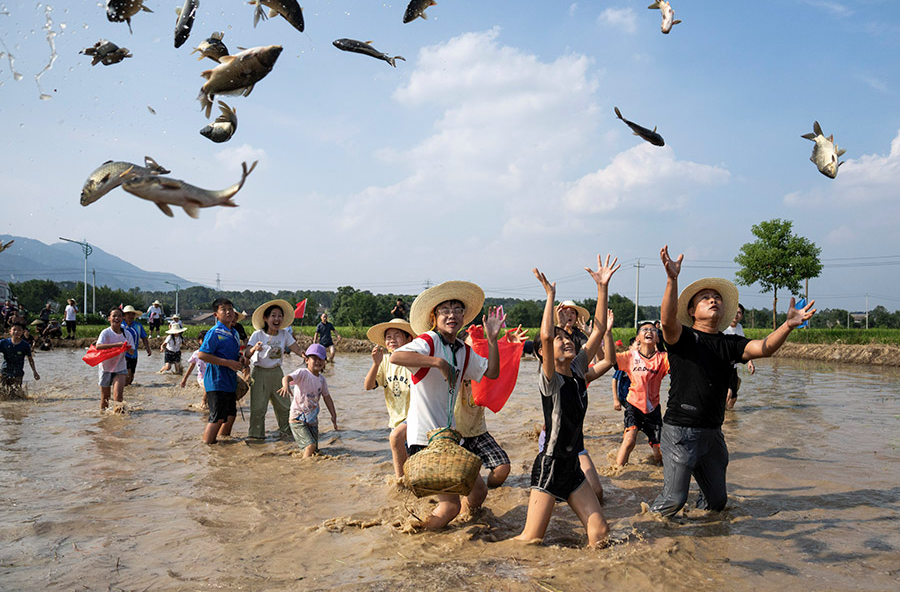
x=135 y=501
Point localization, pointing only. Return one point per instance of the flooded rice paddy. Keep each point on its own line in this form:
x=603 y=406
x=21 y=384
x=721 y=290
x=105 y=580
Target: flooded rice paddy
x=134 y=500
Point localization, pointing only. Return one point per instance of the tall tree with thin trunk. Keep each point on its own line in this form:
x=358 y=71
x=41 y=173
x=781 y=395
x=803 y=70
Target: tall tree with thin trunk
x=777 y=259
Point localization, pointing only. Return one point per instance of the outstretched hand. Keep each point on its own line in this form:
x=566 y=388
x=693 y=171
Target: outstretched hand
x=605 y=270
x=796 y=316
x=549 y=288
x=673 y=268
x=377 y=354
x=610 y=317
x=517 y=335
x=493 y=322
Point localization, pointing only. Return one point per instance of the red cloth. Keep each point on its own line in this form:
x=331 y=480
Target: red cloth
x=301 y=309
x=493 y=393
x=94 y=356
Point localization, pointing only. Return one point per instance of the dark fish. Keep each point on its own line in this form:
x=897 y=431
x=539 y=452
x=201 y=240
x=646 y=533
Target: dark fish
x=365 y=49
x=185 y=21
x=223 y=127
x=289 y=9
x=416 y=9
x=109 y=175
x=106 y=52
x=118 y=11
x=645 y=134
x=236 y=74
x=212 y=48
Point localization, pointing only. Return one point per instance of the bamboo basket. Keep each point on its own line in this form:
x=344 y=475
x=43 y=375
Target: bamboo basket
x=442 y=467
x=242 y=389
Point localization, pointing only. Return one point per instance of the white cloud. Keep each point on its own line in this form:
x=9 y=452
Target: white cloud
x=620 y=18
x=644 y=176
x=572 y=8
x=835 y=8
x=232 y=157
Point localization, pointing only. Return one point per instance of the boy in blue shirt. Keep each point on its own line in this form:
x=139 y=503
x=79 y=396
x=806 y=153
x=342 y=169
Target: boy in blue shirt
x=14 y=350
x=221 y=351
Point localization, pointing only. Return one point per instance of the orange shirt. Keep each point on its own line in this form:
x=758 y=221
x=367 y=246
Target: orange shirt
x=646 y=374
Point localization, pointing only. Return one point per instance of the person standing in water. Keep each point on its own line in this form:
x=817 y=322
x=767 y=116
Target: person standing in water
x=701 y=361
x=323 y=336
x=735 y=328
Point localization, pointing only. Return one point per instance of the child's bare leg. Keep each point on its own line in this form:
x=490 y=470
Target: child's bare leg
x=225 y=430
x=476 y=497
x=627 y=446
x=104 y=397
x=657 y=453
x=310 y=451
x=498 y=475
x=730 y=400
x=178 y=369
x=118 y=387
x=212 y=429
x=585 y=505
x=540 y=508
x=590 y=475
x=446 y=510
x=398 y=449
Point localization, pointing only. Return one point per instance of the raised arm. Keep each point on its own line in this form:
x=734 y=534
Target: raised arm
x=492 y=324
x=668 y=312
x=377 y=356
x=604 y=272
x=548 y=326
x=609 y=353
x=763 y=348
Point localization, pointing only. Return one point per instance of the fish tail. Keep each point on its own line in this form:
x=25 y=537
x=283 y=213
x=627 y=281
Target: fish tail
x=809 y=136
x=817 y=128
x=205 y=102
x=393 y=60
x=618 y=113
x=654 y=6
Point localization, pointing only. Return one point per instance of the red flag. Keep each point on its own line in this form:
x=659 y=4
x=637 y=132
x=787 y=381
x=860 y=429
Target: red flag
x=301 y=309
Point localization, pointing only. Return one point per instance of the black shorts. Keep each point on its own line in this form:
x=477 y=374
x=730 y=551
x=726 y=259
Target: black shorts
x=735 y=383
x=172 y=357
x=131 y=364
x=649 y=423
x=155 y=324
x=222 y=405
x=559 y=477
x=70 y=326
x=414 y=448
x=487 y=449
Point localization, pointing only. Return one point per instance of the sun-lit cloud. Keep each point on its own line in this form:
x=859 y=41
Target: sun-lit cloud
x=835 y=8
x=619 y=18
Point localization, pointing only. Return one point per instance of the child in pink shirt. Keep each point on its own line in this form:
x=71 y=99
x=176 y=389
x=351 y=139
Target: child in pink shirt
x=308 y=386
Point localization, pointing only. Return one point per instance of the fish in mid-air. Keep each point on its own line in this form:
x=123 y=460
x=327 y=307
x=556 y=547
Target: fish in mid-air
x=212 y=48
x=825 y=153
x=236 y=74
x=185 y=21
x=645 y=134
x=118 y=11
x=108 y=176
x=365 y=49
x=106 y=53
x=6 y=246
x=223 y=127
x=165 y=192
x=416 y=9
x=289 y=9
x=668 y=15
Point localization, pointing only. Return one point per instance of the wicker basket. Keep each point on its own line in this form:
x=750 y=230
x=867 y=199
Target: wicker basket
x=242 y=389
x=442 y=467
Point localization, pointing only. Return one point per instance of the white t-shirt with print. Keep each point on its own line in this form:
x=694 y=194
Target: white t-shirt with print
x=117 y=363
x=273 y=347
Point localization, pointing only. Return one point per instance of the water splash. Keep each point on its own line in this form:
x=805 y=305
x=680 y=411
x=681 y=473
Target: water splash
x=5 y=53
x=51 y=40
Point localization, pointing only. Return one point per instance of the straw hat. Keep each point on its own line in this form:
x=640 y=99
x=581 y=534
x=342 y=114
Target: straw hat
x=156 y=303
x=71 y=301
x=240 y=316
x=128 y=308
x=175 y=330
x=726 y=290
x=376 y=332
x=466 y=292
x=583 y=314
x=285 y=307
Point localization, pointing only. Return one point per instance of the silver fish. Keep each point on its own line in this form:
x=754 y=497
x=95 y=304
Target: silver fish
x=165 y=191
x=185 y=21
x=416 y=9
x=118 y=11
x=365 y=49
x=236 y=74
x=223 y=127
x=645 y=134
x=106 y=52
x=108 y=176
x=668 y=15
x=289 y=9
x=212 y=48
x=825 y=153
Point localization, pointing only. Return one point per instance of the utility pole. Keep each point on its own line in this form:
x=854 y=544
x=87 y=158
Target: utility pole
x=218 y=283
x=427 y=283
x=94 y=291
x=176 y=292
x=87 y=251
x=867 y=311
x=637 y=291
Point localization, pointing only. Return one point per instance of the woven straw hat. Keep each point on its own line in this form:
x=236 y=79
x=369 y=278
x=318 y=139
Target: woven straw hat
x=285 y=307
x=726 y=290
x=128 y=308
x=175 y=330
x=156 y=302
x=466 y=292
x=376 y=332
x=583 y=314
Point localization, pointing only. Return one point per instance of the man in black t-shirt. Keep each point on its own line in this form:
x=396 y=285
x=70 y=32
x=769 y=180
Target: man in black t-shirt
x=701 y=359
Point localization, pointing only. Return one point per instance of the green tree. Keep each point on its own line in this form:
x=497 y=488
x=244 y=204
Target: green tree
x=777 y=259
x=527 y=313
x=34 y=294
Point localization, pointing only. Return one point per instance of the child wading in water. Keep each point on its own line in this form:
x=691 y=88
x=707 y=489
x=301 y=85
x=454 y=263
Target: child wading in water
x=556 y=474
x=15 y=351
x=114 y=371
x=171 y=349
x=309 y=386
x=221 y=352
x=439 y=362
x=395 y=380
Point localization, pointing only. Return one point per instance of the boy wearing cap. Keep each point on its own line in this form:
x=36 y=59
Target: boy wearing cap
x=395 y=380
x=309 y=386
x=439 y=362
x=221 y=352
x=136 y=329
x=701 y=362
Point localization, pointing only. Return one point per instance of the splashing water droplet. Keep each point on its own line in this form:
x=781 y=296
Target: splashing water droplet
x=45 y=97
x=18 y=76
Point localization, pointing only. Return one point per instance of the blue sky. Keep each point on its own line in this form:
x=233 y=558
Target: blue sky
x=493 y=149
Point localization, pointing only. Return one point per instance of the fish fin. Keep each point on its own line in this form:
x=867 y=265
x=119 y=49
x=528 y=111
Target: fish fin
x=191 y=210
x=675 y=23
x=130 y=32
x=248 y=90
x=217 y=35
x=178 y=10
x=227 y=203
x=145 y=9
x=205 y=102
x=196 y=49
x=841 y=152
x=831 y=138
x=165 y=209
x=840 y=163
x=809 y=136
x=206 y=74
x=240 y=48
x=654 y=129
x=654 y=6
x=273 y=13
x=368 y=43
x=126 y=172
x=817 y=128
x=635 y=134
x=155 y=166
x=259 y=13
x=618 y=113
x=226 y=59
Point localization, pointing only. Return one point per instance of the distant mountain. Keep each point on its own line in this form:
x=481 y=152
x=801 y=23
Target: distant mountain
x=29 y=259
